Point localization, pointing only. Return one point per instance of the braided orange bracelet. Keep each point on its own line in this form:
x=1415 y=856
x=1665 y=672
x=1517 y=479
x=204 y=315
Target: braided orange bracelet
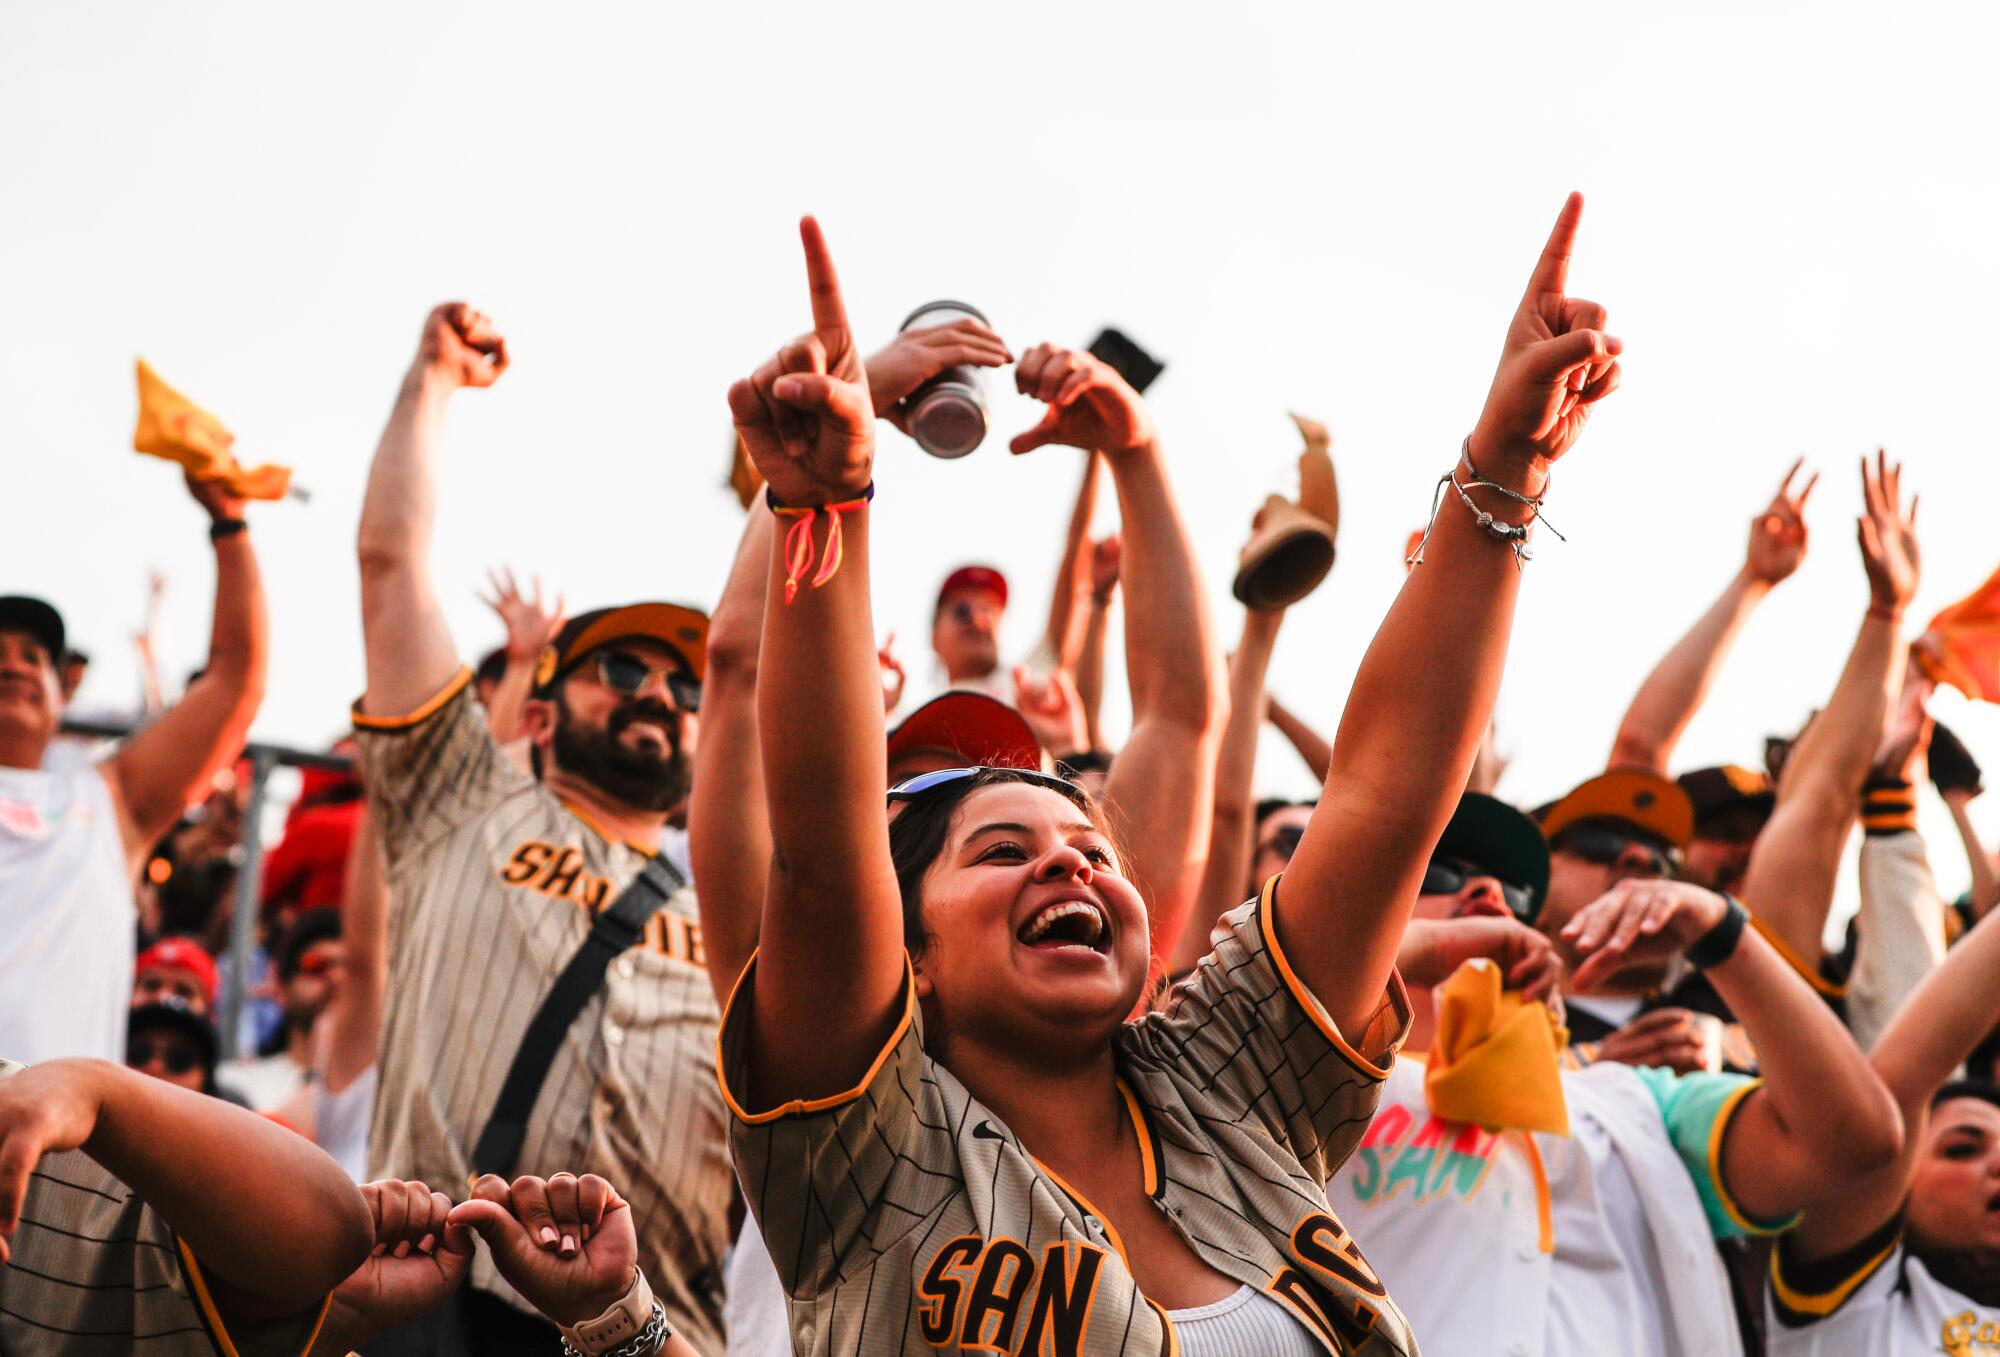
x=799 y=538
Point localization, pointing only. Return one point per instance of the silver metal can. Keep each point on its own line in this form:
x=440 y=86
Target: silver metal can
x=947 y=414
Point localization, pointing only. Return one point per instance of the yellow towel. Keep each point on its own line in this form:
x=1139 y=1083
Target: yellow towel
x=174 y=427
x=1493 y=1062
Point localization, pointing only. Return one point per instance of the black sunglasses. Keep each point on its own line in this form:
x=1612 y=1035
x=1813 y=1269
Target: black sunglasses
x=174 y=1056
x=1447 y=876
x=1604 y=844
x=627 y=675
x=1284 y=842
x=911 y=788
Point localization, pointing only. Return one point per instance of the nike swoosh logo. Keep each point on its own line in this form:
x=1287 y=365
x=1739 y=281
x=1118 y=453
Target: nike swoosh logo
x=985 y=1131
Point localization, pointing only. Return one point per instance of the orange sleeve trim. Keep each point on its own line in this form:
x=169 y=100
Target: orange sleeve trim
x=1822 y=1304
x=1809 y=974
x=363 y=721
x=1267 y=924
x=1723 y=1118
x=800 y=1107
x=212 y=1317
x=1148 y=1156
x=1089 y=1208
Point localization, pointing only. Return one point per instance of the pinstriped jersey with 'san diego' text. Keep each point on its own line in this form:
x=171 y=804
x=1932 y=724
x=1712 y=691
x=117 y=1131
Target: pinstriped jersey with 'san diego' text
x=905 y=1218
x=493 y=884
x=95 y=1272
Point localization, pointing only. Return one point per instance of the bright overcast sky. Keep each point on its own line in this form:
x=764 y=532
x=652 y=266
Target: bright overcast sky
x=1320 y=207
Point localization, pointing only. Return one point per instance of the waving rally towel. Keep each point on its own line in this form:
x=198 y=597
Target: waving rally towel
x=174 y=427
x=1962 y=644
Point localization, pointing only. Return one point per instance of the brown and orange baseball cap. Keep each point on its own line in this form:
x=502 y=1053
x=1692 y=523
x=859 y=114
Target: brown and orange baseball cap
x=682 y=630
x=973 y=577
x=1638 y=798
x=1726 y=787
x=980 y=731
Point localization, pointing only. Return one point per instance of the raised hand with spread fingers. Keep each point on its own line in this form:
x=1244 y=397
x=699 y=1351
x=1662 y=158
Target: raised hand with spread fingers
x=1888 y=537
x=1778 y=535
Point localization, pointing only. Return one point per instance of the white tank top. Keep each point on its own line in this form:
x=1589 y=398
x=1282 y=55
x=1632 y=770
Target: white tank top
x=66 y=916
x=1246 y=1323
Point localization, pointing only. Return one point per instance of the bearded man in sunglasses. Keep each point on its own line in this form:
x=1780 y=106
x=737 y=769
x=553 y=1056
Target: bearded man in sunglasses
x=496 y=876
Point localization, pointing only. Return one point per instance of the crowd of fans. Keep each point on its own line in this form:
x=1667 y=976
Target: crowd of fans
x=569 y=1031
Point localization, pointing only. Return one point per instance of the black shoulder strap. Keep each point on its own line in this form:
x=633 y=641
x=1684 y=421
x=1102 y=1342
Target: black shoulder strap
x=613 y=930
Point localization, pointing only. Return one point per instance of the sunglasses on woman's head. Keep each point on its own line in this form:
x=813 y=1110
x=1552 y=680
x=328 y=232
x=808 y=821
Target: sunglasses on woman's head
x=1447 y=876
x=911 y=788
x=1605 y=844
x=628 y=675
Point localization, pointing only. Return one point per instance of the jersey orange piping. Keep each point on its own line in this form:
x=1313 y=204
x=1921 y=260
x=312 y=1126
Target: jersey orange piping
x=212 y=1317
x=1266 y=910
x=1148 y=1151
x=1716 y=1132
x=1807 y=973
x=799 y=1107
x=1824 y=1303
x=363 y=721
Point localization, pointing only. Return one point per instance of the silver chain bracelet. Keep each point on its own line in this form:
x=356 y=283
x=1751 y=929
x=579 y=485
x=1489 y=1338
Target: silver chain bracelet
x=644 y=1343
x=1515 y=535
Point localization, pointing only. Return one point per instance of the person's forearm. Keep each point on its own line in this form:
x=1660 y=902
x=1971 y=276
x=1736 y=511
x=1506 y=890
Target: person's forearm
x=259 y=1205
x=729 y=831
x=1172 y=660
x=1832 y=1109
x=1901 y=930
x=1090 y=668
x=1790 y=881
x=1834 y=752
x=1310 y=744
x=510 y=697
x=239 y=640
x=1419 y=702
x=1065 y=635
x=1985 y=879
x=354 y=1018
x=1948 y=1015
x=1680 y=682
x=400 y=505
x=1230 y=840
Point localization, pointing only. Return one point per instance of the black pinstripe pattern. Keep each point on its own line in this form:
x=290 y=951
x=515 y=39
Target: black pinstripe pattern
x=632 y=1093
x=1248 y=1107
x=95 y=1273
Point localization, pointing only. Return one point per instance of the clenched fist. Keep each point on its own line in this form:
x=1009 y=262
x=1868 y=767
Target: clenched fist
x=462 y=345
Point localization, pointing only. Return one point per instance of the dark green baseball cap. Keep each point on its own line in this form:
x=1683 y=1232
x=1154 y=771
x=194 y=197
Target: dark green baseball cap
x=1487 y=832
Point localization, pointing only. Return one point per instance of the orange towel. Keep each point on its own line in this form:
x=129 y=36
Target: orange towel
x=174 y=427
x=1962 y=644
x=1493 y=1062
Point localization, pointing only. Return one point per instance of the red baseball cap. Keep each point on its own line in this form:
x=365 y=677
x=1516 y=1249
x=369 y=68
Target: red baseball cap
x=973 y=577
x=980 y=731
x=184 y=954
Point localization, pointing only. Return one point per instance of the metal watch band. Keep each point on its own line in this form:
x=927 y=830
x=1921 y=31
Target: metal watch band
x=645 y=1343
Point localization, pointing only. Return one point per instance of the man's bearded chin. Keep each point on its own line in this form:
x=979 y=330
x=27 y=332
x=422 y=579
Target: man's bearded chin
x=644 y=779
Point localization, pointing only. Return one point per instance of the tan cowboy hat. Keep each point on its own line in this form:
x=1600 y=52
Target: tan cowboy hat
x=1291 y=545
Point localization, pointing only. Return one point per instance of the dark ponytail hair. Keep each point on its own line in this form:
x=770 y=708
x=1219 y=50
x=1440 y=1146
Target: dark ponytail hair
x=919 y=831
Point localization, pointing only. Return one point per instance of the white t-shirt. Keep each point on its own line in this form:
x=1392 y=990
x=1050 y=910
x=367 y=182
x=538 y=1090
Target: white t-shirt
x=1450 y=1217
x=1879 y=1301
x=753 y=1299
x=340 y=1122
x=266 y=1082
x=66 y=915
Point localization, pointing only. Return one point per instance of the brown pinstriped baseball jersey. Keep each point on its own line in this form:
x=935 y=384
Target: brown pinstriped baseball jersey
x=493 y=883
x=905 y=1218
x=96 y=1273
